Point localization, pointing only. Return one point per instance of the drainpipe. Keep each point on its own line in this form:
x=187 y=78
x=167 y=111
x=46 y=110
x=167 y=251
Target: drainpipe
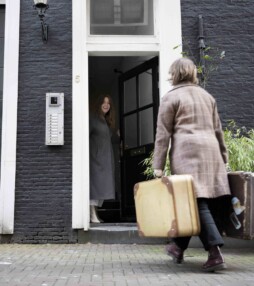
x=201 y=44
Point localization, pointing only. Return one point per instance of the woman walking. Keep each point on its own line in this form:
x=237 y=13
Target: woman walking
x=189 y=120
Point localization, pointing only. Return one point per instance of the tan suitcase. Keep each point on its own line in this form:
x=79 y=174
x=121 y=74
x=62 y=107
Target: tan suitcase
x=167 y=207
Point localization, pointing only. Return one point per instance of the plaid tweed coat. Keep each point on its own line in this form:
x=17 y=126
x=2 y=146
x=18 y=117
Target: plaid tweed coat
x=188 y=120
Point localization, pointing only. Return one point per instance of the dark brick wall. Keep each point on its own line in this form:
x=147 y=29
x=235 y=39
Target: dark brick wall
x=44 y=173
x=229 y=26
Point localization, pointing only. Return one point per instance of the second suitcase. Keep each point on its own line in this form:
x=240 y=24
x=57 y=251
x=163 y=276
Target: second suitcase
x=240 y=223
x=167 y=207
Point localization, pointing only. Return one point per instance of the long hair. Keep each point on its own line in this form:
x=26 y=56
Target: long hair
x=183 y=70
x=96 y=109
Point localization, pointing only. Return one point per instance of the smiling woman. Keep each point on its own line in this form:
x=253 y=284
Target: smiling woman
x=102 y=179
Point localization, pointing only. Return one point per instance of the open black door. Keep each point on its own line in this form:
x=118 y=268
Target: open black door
x=139 y=106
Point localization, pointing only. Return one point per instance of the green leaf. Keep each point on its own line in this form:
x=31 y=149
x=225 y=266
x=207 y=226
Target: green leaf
x=207 y=58
x=199 y=69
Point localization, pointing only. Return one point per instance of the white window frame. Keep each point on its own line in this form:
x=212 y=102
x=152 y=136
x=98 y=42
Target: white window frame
x=118 y=23
x=9 y=117
x=168 y=24
x=122 y=39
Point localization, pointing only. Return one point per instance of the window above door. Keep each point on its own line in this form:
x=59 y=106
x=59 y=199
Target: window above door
x=121 y=17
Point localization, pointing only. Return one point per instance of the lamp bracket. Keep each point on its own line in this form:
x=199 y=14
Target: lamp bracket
x=41 y=9
x=44 y=29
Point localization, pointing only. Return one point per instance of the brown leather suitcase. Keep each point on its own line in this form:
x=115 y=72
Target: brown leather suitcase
x=166 y=207
x=240 y=221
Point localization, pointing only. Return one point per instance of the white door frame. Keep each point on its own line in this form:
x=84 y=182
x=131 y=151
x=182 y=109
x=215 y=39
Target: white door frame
x=9 y=117
x=167 y=36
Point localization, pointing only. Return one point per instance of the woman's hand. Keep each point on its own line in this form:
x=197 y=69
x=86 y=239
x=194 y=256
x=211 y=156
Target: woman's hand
x=158 y=173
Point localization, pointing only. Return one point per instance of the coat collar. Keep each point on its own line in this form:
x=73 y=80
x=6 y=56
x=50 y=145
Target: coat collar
x=182 y=85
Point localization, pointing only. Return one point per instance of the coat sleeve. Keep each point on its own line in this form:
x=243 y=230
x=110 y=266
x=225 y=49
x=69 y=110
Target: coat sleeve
x=163 y=132
x=219 y=134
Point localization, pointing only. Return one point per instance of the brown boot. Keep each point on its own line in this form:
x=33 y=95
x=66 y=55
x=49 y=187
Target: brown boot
x=215 y=260
x=175 y=252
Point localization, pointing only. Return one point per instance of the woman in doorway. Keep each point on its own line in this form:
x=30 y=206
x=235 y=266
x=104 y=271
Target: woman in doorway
x=188 y=117
x=102 y=180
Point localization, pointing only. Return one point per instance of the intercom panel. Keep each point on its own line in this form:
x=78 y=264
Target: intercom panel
x=54 y=119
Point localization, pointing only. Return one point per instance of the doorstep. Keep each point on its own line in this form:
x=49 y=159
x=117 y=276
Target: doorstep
x=127 y=233
x=115 y=233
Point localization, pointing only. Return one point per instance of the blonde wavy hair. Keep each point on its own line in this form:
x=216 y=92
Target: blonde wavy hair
x=183 y=70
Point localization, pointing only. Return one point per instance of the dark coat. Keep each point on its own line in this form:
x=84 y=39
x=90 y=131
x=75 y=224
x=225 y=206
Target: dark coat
x=188 y=116
x=102 y=181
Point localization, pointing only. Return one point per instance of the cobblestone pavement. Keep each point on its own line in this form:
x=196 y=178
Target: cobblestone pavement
x=117 y=264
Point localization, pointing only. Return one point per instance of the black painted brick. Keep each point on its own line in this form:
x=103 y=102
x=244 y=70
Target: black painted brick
x=43 y=196
x=229 y=26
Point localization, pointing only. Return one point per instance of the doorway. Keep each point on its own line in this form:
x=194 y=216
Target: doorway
x=132 y=83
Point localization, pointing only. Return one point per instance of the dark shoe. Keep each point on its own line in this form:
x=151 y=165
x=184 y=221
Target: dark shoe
x=175 y=252
x=215 y=260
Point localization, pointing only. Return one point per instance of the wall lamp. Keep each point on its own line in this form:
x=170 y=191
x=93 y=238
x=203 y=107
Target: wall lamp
x=41 y=6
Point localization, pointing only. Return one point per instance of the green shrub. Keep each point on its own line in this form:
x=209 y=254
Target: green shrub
x=240 y=146
x=149 y=169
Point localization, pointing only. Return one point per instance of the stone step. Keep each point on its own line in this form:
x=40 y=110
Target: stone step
x=127 y=233
x=123 y=233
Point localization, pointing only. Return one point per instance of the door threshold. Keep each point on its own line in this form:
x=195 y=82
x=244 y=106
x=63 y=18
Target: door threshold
x=115 y=233
x=114 y=226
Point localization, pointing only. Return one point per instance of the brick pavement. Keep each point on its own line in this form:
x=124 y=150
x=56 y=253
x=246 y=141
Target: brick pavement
x=116 y=264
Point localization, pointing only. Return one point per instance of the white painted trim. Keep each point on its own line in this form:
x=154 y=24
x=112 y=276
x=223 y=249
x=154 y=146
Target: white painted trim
x=122 y=40
x=168 y=35
x=103 y=47
x=9 y=119
x=116 y=39
x=80 y=123
x=118 y=53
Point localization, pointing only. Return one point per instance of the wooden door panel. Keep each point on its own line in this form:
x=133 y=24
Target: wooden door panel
x=139 y=98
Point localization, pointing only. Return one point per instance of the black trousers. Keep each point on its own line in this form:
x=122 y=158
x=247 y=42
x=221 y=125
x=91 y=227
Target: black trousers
x=211 y=212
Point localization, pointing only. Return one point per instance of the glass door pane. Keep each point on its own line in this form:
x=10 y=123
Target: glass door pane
x=146 y=126
x=130 y=130
x=145 y=88
x=130 y=97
